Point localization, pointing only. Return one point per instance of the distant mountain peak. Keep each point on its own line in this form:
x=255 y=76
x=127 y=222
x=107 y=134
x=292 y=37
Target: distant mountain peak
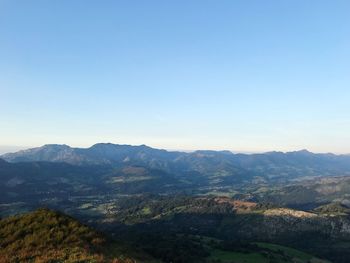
x=58 y=146
x=109 y=144
x=302 y=152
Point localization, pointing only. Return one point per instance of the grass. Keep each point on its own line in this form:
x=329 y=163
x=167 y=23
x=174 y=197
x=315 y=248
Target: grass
x=228 y=256
x=146 y=210
x=270 y=253
x=287 y=250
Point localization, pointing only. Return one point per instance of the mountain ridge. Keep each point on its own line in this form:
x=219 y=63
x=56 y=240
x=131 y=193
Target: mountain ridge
x=221 y=164
x=105 y=144
x=138 y=191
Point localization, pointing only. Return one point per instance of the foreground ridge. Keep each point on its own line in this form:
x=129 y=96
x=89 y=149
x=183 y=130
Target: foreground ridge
x=48 y=236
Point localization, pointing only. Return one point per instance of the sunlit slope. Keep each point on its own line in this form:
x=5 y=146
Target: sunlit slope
x=48 y=236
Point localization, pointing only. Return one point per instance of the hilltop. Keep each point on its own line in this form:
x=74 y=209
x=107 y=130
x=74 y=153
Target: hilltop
x=49 y=236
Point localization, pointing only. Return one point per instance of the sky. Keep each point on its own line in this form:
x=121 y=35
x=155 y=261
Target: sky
x=240 y=75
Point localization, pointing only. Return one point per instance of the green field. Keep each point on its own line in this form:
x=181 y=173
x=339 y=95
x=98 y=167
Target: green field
x=287 y=250
x=266 y=253
x=227 y=256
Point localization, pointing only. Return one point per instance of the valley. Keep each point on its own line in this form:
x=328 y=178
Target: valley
x=203 y=206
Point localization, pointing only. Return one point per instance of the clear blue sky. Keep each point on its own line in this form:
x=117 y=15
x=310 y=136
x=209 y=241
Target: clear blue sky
x=237 y=75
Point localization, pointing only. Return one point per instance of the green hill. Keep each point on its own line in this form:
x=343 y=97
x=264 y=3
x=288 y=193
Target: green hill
x=48 y=236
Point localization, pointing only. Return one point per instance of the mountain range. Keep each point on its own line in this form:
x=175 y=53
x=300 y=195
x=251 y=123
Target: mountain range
x=221 y=163
x=201 y=206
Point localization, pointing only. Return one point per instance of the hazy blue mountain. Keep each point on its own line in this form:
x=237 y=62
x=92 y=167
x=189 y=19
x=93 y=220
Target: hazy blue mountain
x=101 y=153
x=220 y=164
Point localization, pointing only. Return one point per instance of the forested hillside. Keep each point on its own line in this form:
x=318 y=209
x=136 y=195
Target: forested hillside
x=48 y=236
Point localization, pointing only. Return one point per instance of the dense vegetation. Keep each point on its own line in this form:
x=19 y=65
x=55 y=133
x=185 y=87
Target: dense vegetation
x=162 y=226
x=47 y=236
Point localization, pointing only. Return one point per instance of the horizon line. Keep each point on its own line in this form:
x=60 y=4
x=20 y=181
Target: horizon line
x=17 y=148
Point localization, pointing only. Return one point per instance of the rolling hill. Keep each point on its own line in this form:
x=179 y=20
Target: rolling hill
x=48 y=236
